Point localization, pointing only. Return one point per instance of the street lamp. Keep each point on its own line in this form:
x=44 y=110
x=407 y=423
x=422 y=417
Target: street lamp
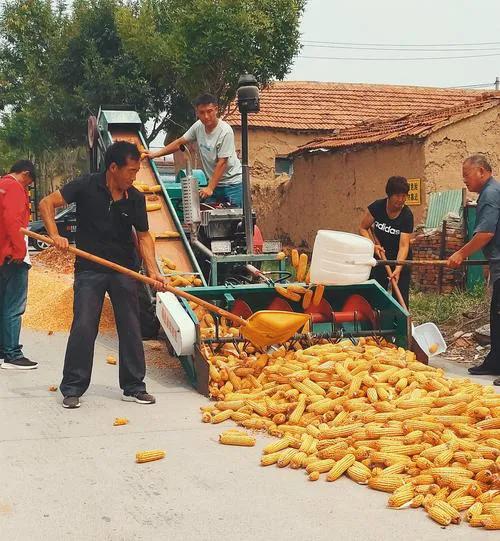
x=248 y=102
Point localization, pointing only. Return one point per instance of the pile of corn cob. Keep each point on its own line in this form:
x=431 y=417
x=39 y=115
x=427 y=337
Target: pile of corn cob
x=374 y=413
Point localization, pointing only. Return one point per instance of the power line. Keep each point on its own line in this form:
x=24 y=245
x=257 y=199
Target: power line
x=365 y=48
x=374 y=59
x=404 y=44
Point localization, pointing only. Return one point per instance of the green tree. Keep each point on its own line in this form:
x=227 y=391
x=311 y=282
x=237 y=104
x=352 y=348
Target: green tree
x=57 y=64
x=199 y=46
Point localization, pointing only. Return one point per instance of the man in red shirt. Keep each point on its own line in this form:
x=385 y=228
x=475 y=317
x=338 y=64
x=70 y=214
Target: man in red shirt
x=14 y=262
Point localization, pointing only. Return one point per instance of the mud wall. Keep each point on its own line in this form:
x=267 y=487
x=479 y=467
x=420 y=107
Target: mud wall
x=332 y=190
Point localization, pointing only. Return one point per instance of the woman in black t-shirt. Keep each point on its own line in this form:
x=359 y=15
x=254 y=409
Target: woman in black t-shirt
x=389 y=222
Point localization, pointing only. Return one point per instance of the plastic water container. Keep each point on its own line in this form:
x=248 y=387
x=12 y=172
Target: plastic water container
x=334 y=253
x=428 y=334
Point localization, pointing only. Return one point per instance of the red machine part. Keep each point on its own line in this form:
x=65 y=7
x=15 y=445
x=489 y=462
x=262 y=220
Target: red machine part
x=258 y=240
x=356 y=308
x=280 y=304
x=241 y=308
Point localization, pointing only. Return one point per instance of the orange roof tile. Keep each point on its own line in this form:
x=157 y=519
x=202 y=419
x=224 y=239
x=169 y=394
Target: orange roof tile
x=402 y=128
x=311 y=106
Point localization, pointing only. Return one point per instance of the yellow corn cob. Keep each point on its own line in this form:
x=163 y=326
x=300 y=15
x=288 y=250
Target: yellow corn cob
x=295 y=258
x=474 y=510
x=286 y=457
x=322 y=466
x=463 y=503
x=386 y=483
x=492 y=523
x=153 y=206
x=478 y=520
x=492 y=508
x=417 y=501
x=489 y=423
x=271 y=458
x=340 y=467
x=307 y=299
x=148 y=456
x=444 y=458
x=278 y=445
x=302 y=267
x=295 y=416
x=318 y=294
x=439 y=516
x=401 y=496
x=236 y=438
x=359 y=472
x=314 y=475
x=287 y=294
x=298 y=460
x=448 y=509
x=222 y=416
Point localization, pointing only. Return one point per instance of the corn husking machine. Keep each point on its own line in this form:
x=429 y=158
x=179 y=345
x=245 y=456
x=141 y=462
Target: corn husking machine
x=345 y=311
x=222 y=246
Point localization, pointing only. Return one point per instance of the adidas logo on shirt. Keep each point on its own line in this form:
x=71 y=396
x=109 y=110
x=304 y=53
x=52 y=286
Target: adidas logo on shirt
x=387 y=228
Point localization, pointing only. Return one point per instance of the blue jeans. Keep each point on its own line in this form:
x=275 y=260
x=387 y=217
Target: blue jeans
x=13 y=295
x=232 y=194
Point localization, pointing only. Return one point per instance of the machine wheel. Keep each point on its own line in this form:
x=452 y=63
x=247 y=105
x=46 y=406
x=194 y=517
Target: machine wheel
x=39 y=245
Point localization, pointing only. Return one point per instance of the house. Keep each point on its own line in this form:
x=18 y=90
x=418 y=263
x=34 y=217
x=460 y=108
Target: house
x=293 y=113
x=335 y=178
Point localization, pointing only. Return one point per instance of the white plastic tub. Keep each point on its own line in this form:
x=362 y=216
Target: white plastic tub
x=427 y=334
x=341 y=258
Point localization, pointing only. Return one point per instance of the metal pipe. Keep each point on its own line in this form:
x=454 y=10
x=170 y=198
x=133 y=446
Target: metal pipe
x=197 y=244
x=247 y=196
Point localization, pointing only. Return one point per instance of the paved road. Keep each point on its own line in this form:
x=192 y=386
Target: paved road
x=71 y=475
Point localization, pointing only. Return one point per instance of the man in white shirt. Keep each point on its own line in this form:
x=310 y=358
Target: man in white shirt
x=215 y=141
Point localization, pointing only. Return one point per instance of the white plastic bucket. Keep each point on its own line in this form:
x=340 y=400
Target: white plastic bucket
x=341 y=258
x=426 y=335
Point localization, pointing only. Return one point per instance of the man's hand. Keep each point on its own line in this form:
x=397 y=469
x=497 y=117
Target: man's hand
x=159 y=279
x=379 y=251
x=455 y=260
x=394 y=277
x=206 y=192
x=146 y=154
x=60 y=242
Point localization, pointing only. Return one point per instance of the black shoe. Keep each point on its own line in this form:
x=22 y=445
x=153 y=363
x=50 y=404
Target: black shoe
x=141 y=397
x=496 y=382
x=484 y=370
x=71 y=402
x=21 y=363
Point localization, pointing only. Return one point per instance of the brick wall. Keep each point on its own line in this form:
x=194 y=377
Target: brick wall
x=426 y=245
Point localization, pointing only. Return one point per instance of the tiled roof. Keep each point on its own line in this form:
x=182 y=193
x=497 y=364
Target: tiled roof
x=402 y=128
x=310 y=106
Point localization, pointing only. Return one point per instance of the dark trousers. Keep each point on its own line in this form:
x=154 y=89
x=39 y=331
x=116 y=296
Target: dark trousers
x=493 y=357
x=379 y=273
x=89 y=290
x=13 y=295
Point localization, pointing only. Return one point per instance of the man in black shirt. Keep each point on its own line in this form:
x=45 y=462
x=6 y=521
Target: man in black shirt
x=389 y=222
x=107 y=208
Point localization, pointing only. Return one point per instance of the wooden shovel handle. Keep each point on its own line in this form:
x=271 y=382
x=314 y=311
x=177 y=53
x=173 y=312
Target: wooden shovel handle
x=140 y=277
x=411 y=262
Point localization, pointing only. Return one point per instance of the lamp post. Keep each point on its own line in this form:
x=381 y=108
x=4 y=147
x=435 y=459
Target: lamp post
x=248 y=102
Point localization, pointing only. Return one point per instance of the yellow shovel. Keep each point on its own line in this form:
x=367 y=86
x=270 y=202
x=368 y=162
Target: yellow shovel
x=264 y=328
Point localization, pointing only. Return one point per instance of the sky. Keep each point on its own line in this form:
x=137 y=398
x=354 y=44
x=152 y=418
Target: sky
x=339 y=25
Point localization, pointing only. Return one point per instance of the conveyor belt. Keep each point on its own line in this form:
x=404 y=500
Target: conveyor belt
x=177 y=249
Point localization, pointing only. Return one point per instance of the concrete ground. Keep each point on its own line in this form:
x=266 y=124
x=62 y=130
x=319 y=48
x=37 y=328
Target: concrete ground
x=70 y=475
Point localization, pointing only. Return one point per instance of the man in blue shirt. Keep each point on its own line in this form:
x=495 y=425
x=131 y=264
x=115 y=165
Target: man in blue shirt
x=478 y=178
